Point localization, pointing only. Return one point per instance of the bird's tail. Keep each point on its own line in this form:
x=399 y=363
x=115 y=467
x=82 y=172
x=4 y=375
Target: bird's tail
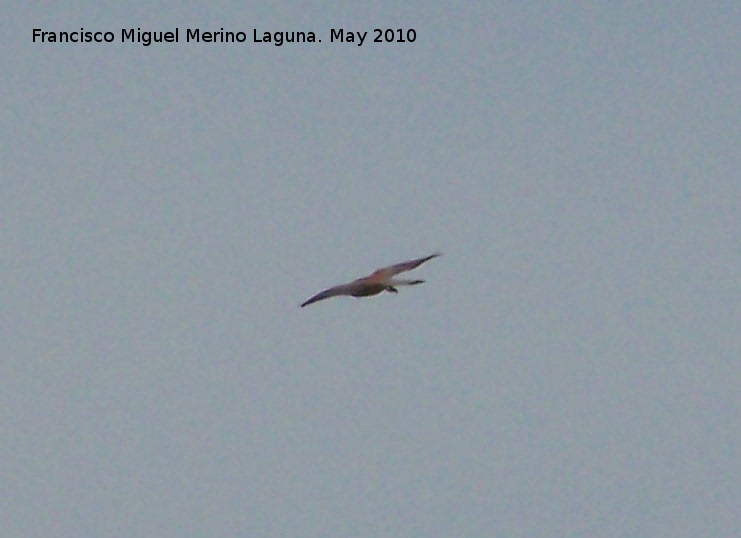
x=406 y=282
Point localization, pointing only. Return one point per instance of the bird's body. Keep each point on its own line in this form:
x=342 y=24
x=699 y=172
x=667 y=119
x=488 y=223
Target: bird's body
x=373 y=284
x=366 y=289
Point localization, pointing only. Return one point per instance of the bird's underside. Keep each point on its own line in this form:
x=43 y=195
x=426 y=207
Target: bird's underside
x=375 y=283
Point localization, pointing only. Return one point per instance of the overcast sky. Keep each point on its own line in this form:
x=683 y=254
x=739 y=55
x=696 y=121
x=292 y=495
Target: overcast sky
x=572 y=366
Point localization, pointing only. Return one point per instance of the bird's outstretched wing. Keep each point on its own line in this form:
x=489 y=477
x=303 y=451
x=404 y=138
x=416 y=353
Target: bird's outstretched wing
x=407 y=266
x=342 y=289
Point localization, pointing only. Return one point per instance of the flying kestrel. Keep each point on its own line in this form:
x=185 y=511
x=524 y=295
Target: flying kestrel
x=373 y=284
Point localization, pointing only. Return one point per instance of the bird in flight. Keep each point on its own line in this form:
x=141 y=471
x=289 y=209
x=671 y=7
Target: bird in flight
x=373 y=284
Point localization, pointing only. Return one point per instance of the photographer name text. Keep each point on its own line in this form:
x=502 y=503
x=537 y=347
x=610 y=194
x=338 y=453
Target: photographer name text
x=196 y=35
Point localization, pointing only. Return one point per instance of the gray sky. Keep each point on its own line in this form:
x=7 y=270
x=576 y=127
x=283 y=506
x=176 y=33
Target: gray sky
x=571 y=367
